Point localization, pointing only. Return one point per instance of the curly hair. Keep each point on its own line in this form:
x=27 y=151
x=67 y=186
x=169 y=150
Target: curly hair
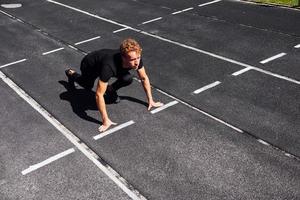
x=130 y=45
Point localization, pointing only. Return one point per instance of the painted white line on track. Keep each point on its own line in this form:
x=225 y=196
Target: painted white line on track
x=172 y=103
x=263 y=142
x=52 y=51
x=7 y=14
x=72 y=47
x=241 y=71
x=214 y=84
x=208 y=3
x=272 y=58
x=119 y=30
x=89 y=14
x=117 y=128
x=98 y=161
x=19 y=61
x=152 y=20
x=48 y=161
x=180 y=44
x=88 y=40
x=201 y=111
x=181 y=11
x=297 y=46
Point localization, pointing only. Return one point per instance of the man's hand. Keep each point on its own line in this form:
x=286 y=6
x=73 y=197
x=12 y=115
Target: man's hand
x=106 y=125
x=154 y=104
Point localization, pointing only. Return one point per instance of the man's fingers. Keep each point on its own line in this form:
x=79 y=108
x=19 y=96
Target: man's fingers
x=149 y=107
x=103 y=128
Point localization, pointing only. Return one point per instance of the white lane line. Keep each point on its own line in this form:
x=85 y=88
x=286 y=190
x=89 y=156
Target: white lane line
x=152 y=20
x=52 y=51
x=181 y=11
x=7 y=14
x=201 y=111
x=89 y=153
x=88 y=40
x=241 y=71
x=272 y=58
x=48 y=161
x=180 y=44
x=263 y=142
x=214 y=84
x=19 y=61
x=297 y=46
x=208 y=3
x=119 y=30
x=172 y=103
x=117 y=128
x=89 y=14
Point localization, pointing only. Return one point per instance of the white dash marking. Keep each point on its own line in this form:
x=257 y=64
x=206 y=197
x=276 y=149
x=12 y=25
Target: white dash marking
x=172 y=103
x=181 y=11
x=272 y=58
x=48 y=161
x=297 y=46
x=105 y=133
x=52 y=51
x=263 y=142
x=152 y=20
x=19 y=61
x=214 y=84
x=241 y=71
x=88 y=40
x=208 y=3
x=119 y=30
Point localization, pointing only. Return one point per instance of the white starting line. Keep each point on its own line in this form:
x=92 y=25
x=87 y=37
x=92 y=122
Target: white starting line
x=105 y=133
x=214 y=84
x=172 y=103
x=241 y=71
x=48 y=161
x=119 y=30
x=208 y=3
x=19 y=61
x=88 y=40
x=297 y=46
x=272 y=58
x=181 y=11
x=52 y=51
x=152 y=20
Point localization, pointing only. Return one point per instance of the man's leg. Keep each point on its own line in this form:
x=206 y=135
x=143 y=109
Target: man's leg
x=122 y=81
x=87 y=77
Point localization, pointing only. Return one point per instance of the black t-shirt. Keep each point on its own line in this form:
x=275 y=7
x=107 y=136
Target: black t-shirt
x=107 y=63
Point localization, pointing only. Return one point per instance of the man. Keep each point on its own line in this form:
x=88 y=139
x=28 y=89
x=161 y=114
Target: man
x=107 y=63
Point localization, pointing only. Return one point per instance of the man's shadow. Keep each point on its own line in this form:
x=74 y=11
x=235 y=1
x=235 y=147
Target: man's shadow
x=82 y=100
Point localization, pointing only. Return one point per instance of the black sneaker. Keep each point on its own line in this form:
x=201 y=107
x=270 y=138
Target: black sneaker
x=71 y=78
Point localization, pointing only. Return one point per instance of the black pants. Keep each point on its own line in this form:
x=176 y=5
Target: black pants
x=89 y=75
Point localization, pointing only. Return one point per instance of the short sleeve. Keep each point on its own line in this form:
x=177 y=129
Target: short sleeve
x=105 y=73
x=141 y=64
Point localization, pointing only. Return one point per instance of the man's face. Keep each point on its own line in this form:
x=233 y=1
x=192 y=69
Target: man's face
x=131 y=60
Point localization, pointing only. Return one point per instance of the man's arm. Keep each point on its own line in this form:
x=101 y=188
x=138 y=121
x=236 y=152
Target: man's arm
x=106 y=122
x=147 y=87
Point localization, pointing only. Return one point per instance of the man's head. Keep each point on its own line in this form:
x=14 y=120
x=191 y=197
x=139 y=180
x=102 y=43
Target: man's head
x=131 y=53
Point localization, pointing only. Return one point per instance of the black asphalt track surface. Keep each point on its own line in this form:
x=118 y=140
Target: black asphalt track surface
x=28 y=139
x=178 y=153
